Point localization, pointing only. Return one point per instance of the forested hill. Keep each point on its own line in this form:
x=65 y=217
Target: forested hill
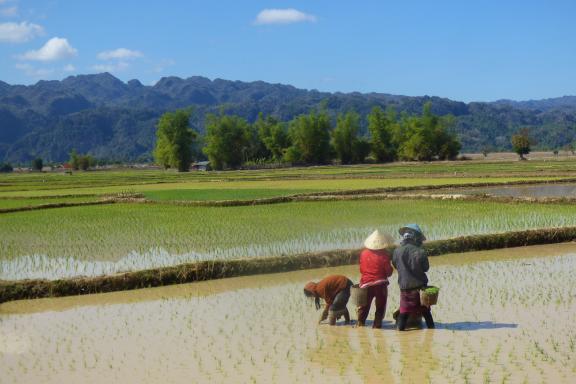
x=103 y=116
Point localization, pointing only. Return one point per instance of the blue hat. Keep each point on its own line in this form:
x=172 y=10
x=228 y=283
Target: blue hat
x=412 y=228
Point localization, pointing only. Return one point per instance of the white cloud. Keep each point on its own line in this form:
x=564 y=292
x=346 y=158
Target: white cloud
x=120 y=53
x=283 y=16
x=117 y=67
x=69 y=68
x=9 y=12
x=55 y=49
x=19 y=32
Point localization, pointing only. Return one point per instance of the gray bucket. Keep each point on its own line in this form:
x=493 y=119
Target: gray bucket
x=359 y=295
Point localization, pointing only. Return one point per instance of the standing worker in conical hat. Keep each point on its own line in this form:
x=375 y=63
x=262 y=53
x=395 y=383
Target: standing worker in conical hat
x=335 y=290
x=375 y=269
x=411 y=262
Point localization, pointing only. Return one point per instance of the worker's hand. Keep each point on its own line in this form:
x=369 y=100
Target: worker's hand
x=317 y=304
x=323 y=316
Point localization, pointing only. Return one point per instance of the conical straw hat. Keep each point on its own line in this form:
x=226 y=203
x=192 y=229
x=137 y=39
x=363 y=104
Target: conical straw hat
x=378 y=240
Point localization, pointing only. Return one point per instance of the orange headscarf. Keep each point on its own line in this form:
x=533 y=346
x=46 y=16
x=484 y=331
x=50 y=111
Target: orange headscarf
x=311 y=287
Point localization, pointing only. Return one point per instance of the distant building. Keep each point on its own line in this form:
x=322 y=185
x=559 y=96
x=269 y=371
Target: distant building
x=201 y=166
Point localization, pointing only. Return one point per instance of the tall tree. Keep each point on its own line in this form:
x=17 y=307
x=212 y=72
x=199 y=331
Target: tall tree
x=37 y=164
x=227 y=141
x=361 y=150
x=521 y=142
x=426 y=137
x=273 y=135
x=380 y=125
x=174 y=139
x=310 y=135
x=345 y=137
x=74 y=160
x=6 y=168
x=446 y=144
x=85 y=162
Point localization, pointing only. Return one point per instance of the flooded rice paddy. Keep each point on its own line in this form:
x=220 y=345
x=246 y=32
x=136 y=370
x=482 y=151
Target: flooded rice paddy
x=535 y=191
x=503 y=316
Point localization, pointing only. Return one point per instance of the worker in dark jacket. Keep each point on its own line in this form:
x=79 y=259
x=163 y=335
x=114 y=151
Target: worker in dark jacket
x=411 y=262
x=335 y=290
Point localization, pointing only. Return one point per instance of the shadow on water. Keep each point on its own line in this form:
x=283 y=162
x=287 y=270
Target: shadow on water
x=474 y=325
x=386 y=324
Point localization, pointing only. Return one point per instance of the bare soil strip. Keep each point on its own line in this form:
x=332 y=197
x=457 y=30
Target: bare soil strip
x=56 y=205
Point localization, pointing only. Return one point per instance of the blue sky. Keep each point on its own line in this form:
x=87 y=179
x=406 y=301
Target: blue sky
x=464 y=50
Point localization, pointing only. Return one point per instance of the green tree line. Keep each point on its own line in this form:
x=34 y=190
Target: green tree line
x=309 y=139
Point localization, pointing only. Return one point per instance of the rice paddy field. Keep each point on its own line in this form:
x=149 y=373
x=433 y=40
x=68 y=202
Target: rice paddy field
x=503 y=317
x=315 y=178
x=104 y=239
x=552 y=190
x=95 y=240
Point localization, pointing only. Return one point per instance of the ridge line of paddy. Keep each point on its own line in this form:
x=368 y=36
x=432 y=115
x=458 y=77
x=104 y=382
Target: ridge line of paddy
x=385 y=193
x=210 y=270
x=56 y=205
x=353 y=197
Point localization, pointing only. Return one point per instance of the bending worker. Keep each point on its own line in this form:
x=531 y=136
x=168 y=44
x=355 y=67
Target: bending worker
x=375 y=269
x=335 y=290
x=411 y=262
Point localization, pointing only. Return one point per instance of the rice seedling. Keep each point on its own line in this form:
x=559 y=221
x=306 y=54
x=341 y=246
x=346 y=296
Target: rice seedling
x=92 y=241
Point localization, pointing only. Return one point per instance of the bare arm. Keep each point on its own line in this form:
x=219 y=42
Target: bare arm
x=324 y=314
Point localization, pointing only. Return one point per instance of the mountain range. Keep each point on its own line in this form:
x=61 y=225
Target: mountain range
x=110 y=119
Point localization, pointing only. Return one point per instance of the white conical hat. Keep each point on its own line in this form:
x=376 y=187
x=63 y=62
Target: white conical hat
x=378 y=240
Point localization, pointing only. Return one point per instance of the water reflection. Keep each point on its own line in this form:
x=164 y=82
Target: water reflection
x=544 y=190
x=361 y=353
x=474 y=325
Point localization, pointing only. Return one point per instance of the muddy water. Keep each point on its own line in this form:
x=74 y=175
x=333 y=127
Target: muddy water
x=551 y=190
x=503 y=316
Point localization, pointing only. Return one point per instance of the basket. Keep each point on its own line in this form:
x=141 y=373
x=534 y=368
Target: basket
x=359 y=295
x=429 y=295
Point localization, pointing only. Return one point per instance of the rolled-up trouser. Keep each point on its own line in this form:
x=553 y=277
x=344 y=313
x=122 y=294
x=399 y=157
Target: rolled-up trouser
x=341 y=299
x=333 y=316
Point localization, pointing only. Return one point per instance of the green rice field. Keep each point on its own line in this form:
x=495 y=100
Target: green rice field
x=111 y=181
x=284 y=186
x=97 y=240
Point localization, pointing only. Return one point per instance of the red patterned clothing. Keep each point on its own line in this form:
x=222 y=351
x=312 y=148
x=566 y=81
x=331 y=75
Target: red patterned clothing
x=410 y=302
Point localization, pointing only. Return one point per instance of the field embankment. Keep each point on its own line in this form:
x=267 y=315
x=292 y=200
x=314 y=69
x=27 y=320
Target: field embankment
x=208 y=270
